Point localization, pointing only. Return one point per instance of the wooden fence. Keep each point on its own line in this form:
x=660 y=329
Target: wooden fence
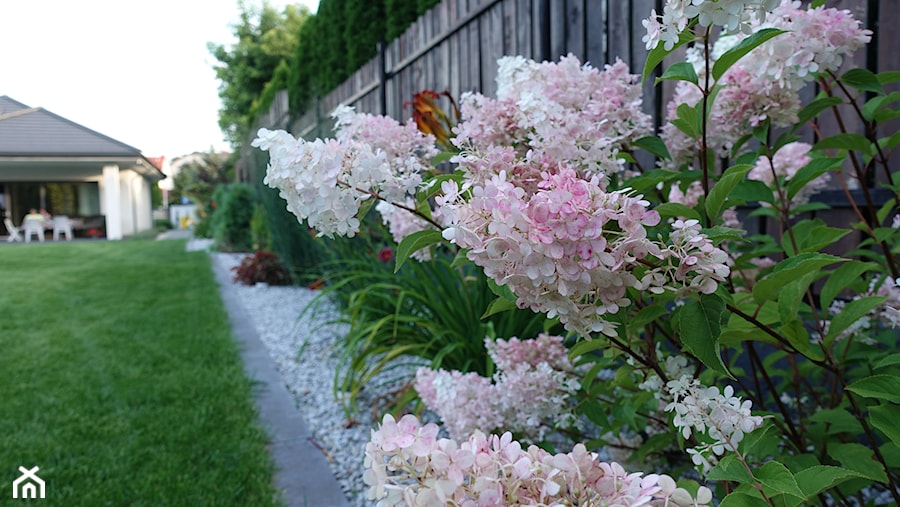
x=456 y=44
x=455 y=47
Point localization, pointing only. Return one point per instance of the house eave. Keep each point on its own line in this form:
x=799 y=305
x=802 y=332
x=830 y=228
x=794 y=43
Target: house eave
x=138 y=163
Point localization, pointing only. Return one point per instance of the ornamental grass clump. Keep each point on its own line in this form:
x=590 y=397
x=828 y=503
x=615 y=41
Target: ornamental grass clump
x=719 y=328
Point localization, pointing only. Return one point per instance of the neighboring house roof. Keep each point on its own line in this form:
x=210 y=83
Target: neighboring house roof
x=34 y=132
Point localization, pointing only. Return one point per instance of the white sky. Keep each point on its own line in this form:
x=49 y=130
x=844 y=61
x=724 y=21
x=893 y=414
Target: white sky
x=137 y=71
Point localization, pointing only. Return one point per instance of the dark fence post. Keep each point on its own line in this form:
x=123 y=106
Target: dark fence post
x=382 y=78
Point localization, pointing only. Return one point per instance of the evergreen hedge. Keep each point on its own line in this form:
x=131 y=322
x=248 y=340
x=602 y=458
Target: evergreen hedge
x=340 y=38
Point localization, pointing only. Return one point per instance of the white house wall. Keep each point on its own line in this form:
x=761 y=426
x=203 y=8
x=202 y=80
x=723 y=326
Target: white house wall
x=127 y=202
x=111 y=201
x=143 y=207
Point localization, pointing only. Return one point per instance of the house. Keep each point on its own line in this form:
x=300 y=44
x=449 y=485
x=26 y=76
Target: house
x=51 y=163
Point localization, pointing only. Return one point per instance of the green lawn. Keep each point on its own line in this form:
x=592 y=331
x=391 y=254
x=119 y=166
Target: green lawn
x=119 y=378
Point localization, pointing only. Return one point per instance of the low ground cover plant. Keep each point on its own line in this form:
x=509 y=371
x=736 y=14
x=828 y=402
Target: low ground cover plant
x=728 y=342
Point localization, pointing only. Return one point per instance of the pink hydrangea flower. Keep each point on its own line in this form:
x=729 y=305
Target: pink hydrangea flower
x=784 y=166
x=490 y=470
x=531 y=388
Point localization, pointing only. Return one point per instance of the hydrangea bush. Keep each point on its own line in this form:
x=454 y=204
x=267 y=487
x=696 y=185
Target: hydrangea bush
x=718 y=330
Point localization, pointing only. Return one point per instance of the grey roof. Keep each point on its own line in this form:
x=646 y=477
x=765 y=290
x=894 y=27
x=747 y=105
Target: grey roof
x=34 y=131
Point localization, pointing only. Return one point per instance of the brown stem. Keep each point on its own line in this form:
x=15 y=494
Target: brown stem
x=377 y=196
x=895 y=490
x=704 y=147
x=796 y=438
x=860 y=175
x=870 y=135
x=782 y=340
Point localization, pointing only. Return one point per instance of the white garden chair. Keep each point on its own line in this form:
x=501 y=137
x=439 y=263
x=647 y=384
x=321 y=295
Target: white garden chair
x=12 y=230
x=62 y=224
x=33 y=227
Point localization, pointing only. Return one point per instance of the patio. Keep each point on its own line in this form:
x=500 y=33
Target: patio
x=50 y=163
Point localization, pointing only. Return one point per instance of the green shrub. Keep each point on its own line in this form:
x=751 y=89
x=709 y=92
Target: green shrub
x=234 y=206
x=258 y=230
x=298 y=248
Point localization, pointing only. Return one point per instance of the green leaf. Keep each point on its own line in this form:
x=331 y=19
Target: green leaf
x=586 y=346
x=721 y=233
x=501 y=290
x=654 y=145
x=686 y=120
x=879 y=386
x=595 y=412
x=777 y=477
x=788 y=270
x=838 y=421
x=441 y=157
x=415 y=242
x=874 y=105
x=742 y=499
x=885 y=418
x=815 y=168
x=676 y=209
x=730 y=57
x=659 y=53
x=681 y=71
x=888 y=143
x=498 y=305
x=792 y=294
x=852 y=312
x=433 y=185
x=863 y=80
x=645 y=316
x=700 y=326
x=730 y=468
x=818 y=478
x=811 y=236
x=815 y=107
x=752 y=191
x=890 y=76
x=722 y=189
x=845 y=141
x=860 y=459
x=841 y=278
x=364 y=208
x=798 y=337
x=891 y=360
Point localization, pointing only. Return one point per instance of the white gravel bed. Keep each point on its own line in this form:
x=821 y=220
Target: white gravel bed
x=304 y=355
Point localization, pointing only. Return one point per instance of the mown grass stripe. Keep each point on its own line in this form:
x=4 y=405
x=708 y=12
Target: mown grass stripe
x=120 y=379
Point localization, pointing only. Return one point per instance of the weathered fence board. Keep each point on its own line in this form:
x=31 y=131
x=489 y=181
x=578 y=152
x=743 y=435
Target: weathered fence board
x=455 y=47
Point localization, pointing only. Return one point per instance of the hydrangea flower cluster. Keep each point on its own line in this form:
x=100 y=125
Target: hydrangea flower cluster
x=532 y=386
x=406 y=464
x=571 y=249
x=765 y=84
x=559 y=111
x=733 y=15
x=724 y=418
x=326 y=181
x=783 y=166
